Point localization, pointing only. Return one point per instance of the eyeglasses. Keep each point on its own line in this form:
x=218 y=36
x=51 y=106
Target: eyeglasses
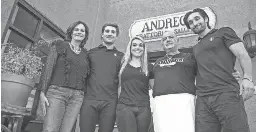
x=167 y=37
x=112 y=31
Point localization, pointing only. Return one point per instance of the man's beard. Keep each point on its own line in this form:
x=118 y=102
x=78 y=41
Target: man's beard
x=200 y=30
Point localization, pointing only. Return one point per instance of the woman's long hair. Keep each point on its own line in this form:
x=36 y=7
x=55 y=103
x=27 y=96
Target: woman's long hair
x=128 y=56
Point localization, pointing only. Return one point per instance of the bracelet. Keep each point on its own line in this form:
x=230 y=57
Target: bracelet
x=248 y=79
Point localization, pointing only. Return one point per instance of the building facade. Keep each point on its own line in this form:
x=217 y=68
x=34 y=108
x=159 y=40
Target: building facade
x=25 y=22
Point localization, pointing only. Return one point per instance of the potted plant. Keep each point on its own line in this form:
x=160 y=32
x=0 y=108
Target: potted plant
x=20 y=69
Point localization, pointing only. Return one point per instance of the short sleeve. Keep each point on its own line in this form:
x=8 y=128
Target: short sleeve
x=150 y=71
x=229 y=35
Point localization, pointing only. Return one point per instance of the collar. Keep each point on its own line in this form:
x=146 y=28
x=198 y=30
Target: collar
x=212 y=31
x=171 y=56
x=103 y=46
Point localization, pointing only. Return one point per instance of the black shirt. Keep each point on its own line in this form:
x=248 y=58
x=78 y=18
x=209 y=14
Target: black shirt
x=174 y=75
x=104 y=68
x=135 y=86
x=216 y=62
x=71 y=69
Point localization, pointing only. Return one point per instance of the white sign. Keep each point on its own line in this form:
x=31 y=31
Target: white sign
x=152 y=29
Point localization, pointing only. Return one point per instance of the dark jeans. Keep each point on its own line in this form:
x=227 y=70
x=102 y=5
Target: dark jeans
x=151 y=126
x=97 y=111
x=133 y=118
x=223 y=112
x=64 y=108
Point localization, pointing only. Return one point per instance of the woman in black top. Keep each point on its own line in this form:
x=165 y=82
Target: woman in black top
x=64 y=80
x=133 y=109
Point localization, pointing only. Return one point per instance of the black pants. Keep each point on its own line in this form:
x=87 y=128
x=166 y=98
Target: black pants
x=96 y=111
x=223 y=112
x=151 y=125
x=133 y=118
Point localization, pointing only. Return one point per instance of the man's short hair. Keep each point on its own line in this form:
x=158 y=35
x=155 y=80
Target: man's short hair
x=111 y=25
x=201 y=12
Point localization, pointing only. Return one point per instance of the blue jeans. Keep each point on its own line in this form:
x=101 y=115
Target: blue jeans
x=133 y=118
x=65 y=104
x=222 y=112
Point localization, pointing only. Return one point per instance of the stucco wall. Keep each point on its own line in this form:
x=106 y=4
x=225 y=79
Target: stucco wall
x=235 y=14
x=95 y=13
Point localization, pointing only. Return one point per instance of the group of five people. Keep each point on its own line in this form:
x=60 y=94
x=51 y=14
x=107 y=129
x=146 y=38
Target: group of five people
x=104 y=85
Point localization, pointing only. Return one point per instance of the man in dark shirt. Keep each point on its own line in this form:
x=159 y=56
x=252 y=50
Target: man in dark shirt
x=100 y=101
x=219 y=106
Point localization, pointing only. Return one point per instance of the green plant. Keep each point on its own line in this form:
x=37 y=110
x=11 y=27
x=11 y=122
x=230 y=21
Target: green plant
x=21 y=62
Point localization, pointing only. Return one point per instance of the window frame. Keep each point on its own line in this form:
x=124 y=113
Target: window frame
x=43 y=20
x=37 y=14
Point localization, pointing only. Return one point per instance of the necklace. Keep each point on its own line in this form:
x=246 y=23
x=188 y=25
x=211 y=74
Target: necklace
x=72 y=47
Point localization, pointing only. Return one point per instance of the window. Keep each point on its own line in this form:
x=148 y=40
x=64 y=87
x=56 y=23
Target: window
x=26 y=27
